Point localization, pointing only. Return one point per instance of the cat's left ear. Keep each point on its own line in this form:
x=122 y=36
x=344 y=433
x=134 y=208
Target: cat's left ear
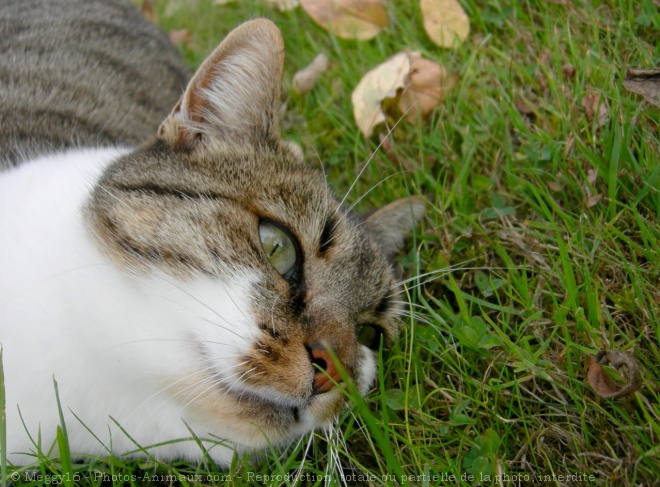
x=392 y=223
x=234 y=97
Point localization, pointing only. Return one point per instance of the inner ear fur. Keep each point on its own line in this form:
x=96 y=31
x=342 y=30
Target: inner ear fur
x=234 y=96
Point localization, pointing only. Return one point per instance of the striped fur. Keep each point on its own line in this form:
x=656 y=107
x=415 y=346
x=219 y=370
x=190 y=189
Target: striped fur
x=81 y=73
x=137 y=277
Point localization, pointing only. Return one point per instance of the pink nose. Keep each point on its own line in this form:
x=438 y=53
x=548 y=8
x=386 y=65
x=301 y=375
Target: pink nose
x=328 y=372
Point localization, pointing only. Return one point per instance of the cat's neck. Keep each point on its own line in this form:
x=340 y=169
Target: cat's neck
x=45 y=196
x=64 y=299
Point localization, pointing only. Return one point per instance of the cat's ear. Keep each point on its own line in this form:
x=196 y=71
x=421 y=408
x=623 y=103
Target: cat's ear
x=234 y=97
x=392 y=223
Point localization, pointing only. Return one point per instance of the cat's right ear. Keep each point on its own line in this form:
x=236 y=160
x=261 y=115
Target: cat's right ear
x=234 y=97
x=392 y=223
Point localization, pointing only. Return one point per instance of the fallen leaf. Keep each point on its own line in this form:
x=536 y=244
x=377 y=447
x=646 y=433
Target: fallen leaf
x=592 y=176
x=147 y=10
x=384 y=81
x=568 y=71
x=645 y=82
x=305 y=79
x=570 y=142
x=349 y=19
x=595 y=108
x=284 y=5
x=524 y=106
x=554 y=186
x=445 y=22
x=386 y=145
x=404 y=84
x=181 y=37
x=427 y=84
x=621 y=361
x=593 y=200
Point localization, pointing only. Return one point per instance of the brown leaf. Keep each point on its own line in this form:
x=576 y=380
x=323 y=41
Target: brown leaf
x=568 y=71
x=592 y=176
x=621 y=361
x=570 y=142
x=524 y=106
x=405 y=84
x=595 y=107
x=593 y=200
x=147 y=10
x=427 y=84
x=180 y=37
x=388 y=147
x=554 y=186
x=305 y=79
x=644 y=82
x=349 y=19
x=445 y=22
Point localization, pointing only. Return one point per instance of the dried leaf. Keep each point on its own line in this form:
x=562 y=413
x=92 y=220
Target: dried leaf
x=570 y=142
x=180 y=37
x=645 y=82
x=378 y=84
x=524 y=106
x=387 y=147
x=568 y=71
x=554 y=186
x=427 y=84
x=593 y=200
x=147 y=10
x=445 y=22
x=349 y=19
x=404 y=84
x=595 y=107
x=621 y=361
x=284 y=5
x=305 y=79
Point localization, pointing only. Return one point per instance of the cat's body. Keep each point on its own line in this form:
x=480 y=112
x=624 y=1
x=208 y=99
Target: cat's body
x=65 y=67
x=200 y=283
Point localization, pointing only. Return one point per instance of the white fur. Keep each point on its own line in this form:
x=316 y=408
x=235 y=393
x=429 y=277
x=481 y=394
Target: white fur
x=118 y=344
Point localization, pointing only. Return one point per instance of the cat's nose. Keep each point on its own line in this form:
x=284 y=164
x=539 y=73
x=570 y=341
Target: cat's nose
x=325 y=370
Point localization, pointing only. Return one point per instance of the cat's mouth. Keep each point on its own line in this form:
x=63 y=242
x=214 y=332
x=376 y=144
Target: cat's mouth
x=295 y=412
x=292 y=414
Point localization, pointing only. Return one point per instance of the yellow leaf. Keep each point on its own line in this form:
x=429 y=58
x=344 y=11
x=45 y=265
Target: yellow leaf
x=349 y=19
x=404 y=84
x=381 y=82
x=445 y=22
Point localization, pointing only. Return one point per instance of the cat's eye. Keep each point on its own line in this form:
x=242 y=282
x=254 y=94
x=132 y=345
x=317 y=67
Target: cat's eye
x=280 y=248
x=369 y=335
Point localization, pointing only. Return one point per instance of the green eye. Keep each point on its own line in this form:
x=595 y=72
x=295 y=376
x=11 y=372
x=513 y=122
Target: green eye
x=279 y=248
x=369 y=335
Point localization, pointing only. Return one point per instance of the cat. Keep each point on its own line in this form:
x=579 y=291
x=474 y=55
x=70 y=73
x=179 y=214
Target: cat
x=166 y=258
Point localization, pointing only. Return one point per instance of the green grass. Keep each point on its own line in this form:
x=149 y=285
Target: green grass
x=489 y=377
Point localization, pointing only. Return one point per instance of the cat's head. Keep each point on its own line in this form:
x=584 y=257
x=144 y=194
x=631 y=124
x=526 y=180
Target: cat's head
x=218 y=196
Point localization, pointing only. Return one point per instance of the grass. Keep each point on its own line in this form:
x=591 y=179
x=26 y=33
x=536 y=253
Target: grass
x=489 y=376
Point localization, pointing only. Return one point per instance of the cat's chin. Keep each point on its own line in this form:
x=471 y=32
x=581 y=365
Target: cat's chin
x=253 y=421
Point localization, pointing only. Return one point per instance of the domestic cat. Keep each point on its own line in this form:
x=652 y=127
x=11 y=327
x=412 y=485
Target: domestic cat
x=174 y=273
